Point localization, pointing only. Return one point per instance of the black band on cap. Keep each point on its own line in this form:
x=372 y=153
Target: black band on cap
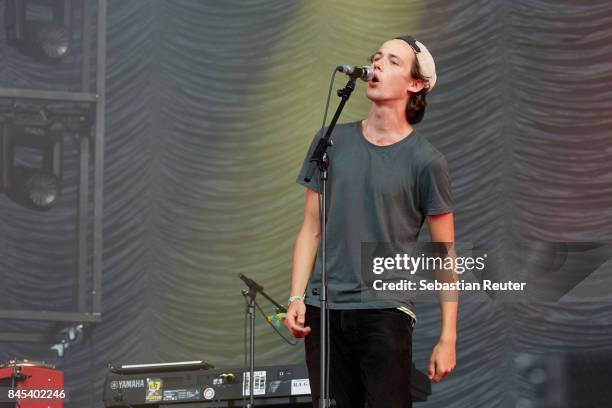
x=411 y=42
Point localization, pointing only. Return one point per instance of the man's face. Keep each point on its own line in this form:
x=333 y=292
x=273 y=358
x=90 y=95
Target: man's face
x=392 y=81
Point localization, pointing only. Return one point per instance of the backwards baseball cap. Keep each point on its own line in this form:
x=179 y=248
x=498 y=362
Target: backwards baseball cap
x=426 y=62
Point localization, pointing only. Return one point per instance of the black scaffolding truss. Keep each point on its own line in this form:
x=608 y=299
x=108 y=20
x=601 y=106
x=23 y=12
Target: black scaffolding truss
x=86 y=312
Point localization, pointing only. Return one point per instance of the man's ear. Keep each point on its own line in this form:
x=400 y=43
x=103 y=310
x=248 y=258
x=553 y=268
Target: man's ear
x=415 y=85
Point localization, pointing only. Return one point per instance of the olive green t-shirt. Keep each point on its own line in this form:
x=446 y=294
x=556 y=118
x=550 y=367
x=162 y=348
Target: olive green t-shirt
x=379 y=194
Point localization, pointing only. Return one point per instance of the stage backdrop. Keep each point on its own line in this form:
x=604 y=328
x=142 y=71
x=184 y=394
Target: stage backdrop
x=211 y=106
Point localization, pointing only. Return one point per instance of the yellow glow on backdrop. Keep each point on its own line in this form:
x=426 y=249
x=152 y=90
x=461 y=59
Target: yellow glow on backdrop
x=287 y=100
x=283 y=109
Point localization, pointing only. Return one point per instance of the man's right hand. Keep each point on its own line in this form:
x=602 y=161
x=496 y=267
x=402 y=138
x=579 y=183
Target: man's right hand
x=294 y=319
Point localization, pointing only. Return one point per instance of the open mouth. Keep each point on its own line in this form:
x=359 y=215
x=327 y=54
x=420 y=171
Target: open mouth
x=375 y=78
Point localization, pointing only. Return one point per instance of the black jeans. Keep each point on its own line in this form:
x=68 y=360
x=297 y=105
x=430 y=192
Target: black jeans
x=371 y=357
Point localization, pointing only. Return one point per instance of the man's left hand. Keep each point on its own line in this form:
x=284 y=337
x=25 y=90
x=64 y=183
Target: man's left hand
x=442 y=361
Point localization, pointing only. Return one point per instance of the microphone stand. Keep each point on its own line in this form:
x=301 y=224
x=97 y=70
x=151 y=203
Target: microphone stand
x=320 y=160
x=251 y=294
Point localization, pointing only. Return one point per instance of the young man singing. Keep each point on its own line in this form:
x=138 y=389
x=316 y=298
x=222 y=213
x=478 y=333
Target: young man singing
x=385 y=181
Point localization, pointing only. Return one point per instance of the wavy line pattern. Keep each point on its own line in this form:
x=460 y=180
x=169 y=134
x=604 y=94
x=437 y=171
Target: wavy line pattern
x=210 y=108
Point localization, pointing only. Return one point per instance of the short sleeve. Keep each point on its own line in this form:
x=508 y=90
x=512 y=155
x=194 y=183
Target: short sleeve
x=435 y=188
x=314 y=182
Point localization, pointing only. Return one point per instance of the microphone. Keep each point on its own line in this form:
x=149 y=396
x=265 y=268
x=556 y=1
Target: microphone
x=365 y=73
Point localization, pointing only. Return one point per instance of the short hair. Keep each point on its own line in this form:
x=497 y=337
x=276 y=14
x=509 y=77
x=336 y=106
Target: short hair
x=415 y=107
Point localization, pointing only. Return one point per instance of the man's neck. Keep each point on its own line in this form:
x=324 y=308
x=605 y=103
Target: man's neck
x=385 y=125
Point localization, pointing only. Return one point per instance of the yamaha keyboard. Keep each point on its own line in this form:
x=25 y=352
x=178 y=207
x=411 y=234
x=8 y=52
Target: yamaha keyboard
x=165 y=386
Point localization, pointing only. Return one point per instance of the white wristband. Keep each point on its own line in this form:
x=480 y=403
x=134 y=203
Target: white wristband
x=294 y=299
